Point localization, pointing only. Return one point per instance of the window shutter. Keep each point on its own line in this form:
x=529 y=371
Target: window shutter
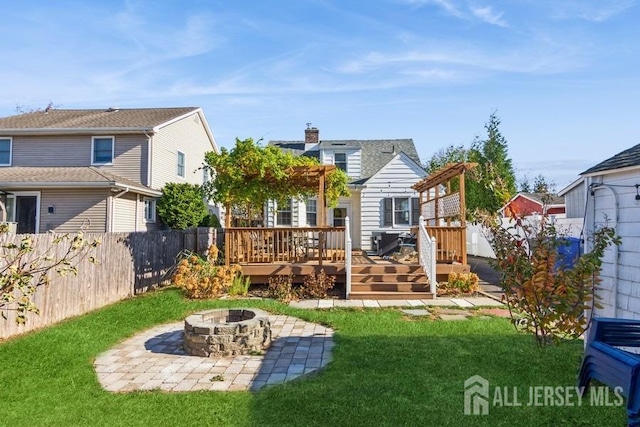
x=388 y=211
x=415 y=210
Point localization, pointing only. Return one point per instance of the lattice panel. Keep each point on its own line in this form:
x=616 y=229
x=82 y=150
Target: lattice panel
x=448 y=206
x=428 y=210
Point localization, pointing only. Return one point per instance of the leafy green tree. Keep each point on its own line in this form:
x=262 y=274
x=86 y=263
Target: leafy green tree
x=493 y=181
x=524 y=186
x=182 y=205
x=540 y=185
x=445 y=156
x=249 y=175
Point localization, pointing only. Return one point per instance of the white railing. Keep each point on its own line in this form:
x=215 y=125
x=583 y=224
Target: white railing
x=427 y=254
x=347 y=257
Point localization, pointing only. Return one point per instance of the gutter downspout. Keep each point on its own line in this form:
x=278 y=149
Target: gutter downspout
x=149 y=158
x=112 y=205
x=592 y=188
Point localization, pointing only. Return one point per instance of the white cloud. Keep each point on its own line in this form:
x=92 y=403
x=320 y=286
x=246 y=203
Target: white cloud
x=593 y=12
x=486 y=14
x=448 y=6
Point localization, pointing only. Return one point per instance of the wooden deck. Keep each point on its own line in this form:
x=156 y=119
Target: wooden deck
x=371 y=277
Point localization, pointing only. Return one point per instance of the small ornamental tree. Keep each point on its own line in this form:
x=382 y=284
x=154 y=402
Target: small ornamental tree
x=23 y=268
x=546 y=295
x=182 y=205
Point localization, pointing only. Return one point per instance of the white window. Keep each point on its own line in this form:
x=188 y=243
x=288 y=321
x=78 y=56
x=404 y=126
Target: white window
x=401 y=211
x=283 y=216
x=340 y=160
x=181 y=164
x=312 y=212
x=102 y=148
x=149 y=210
x=205 y=175
x=5 y=151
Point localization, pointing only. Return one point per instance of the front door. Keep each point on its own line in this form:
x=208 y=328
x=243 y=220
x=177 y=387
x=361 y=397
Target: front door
x=26 y=214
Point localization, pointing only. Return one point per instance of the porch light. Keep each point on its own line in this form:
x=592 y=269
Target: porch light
x=637 y=195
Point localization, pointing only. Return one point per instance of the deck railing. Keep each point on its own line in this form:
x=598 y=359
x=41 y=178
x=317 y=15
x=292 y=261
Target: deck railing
x=348 y=255
x=246 y=245
x=452 y=245
x=427 y=254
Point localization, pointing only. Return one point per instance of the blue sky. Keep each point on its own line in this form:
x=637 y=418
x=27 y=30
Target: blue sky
x=563 y=75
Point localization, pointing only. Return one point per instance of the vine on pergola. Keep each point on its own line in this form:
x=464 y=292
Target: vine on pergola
x=249 y=175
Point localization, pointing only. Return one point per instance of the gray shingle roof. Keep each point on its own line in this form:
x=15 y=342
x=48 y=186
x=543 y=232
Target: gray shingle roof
x=376 y=153
x=627 y=158
x=23 y=177
x=124 y=118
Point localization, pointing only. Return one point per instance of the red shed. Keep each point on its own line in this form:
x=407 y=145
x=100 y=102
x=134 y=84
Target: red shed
x=525 y=204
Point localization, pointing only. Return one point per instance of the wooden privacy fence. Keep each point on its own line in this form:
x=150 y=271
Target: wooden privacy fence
x=127 y=264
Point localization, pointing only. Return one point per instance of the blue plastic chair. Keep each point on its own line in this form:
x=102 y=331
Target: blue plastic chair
x=613 y=366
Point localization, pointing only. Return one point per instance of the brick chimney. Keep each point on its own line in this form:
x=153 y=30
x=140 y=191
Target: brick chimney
x=311 y=135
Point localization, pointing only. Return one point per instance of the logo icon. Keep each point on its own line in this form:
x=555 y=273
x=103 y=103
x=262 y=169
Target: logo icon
x=476 y=396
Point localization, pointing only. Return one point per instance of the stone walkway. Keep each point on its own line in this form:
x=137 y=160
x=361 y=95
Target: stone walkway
x=467 y=302
x=154 y=359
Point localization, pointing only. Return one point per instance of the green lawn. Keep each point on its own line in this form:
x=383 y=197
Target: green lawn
x=387 y=370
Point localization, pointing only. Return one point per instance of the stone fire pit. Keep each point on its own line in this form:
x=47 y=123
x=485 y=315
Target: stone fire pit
x=226 y=332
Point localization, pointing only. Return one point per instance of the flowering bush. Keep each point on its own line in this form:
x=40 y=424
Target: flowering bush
x=200 y=278
x=459 y=283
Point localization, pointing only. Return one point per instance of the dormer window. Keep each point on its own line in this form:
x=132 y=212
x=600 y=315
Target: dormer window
x=340 y=160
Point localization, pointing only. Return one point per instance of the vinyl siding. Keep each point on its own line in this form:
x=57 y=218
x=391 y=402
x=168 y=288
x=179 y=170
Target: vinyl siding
x=124 y=212
x=130 y=154
x=354 y=160
x=187 y=135
x=75 y=209
x=131 y=158
x=574 y=202
x=297 y=214
x=626 y=271
x=394 y=180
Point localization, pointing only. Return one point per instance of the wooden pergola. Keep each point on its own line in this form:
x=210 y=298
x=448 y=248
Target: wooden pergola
x=306 y=178
x=441 y=210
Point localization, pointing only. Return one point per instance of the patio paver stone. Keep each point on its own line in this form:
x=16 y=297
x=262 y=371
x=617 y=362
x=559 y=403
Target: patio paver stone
x=154 y=359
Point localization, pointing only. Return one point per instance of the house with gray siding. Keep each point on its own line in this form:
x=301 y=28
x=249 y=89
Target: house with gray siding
x=99 y=170
x=381 y=173
x=612 y=193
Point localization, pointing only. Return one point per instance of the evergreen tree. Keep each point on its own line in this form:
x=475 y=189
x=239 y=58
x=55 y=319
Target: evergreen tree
x=493 y=182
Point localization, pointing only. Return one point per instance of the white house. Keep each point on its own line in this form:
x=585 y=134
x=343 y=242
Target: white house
x=381 y=173
x=611 y=190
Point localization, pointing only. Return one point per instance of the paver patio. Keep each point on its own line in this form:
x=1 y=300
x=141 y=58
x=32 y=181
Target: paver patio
x=154 y=359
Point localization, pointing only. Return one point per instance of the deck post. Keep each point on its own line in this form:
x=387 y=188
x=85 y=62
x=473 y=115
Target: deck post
x=463 y=220
x=347 y=257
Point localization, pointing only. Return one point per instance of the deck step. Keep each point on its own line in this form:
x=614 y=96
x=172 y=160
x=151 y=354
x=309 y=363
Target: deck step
x=386 y=269
x=388 y=277
x=390 y=287
x=391 y=295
